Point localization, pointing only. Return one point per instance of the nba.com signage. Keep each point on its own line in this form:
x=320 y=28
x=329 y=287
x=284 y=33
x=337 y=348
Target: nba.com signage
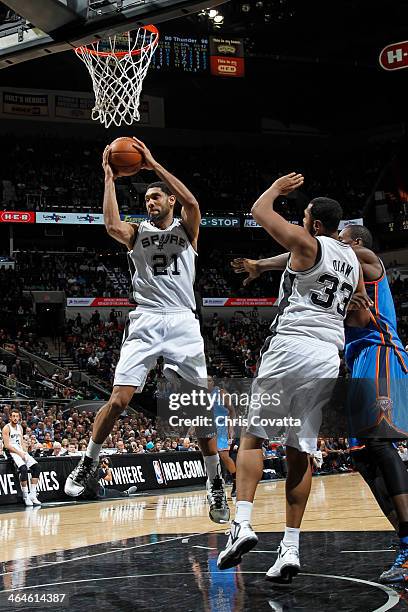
x=394 y=56
x=231 y=301
x=146 y=472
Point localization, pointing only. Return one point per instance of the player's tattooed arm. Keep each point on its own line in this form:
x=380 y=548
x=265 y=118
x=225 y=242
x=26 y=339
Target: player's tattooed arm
x=190 y=209
x=255 y=267
x=296 y=239
x=123 y=232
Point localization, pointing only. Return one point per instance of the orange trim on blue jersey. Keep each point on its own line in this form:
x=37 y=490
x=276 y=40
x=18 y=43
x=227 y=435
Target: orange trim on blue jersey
x=376 y=323
x=377 y=372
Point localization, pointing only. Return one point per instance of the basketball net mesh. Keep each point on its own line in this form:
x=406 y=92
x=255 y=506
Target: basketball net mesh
x=117 y=67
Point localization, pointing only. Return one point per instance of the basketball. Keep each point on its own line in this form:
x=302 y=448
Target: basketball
x=124 y=158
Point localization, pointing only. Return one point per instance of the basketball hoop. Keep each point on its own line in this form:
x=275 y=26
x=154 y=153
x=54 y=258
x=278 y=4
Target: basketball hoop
x=117 y=67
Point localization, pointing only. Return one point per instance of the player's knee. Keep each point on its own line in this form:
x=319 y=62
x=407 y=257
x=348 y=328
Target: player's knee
x=118 y=403
x=23 y=473
x=35 y=470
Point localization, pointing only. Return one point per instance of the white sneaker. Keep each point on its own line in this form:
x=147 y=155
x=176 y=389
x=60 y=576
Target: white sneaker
x=35 y=500
x=219 y=511
x=27 y=500
x=242 y=538
x=286 y=566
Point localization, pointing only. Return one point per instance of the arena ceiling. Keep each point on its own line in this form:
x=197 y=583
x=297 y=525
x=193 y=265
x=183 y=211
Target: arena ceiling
x=314 y=63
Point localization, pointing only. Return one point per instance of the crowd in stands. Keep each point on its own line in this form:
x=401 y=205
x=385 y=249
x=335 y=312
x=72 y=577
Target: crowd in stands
x=42 y=173
x=54 y=430
x=78 y=275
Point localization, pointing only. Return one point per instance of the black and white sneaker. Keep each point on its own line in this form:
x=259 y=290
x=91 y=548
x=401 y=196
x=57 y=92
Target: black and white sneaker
x=286 y=566
x=242 y=538
x=219 y=511
x=80 y=476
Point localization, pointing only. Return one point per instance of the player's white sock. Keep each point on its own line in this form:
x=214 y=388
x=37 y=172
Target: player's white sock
x=212 y=465
x=243 y=511
x=25 y=490
x=33 y=488
x=291 y=537
x=93 y=450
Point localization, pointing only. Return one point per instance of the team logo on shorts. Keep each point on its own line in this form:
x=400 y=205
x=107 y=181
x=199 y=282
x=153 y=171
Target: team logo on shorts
x=384 y=407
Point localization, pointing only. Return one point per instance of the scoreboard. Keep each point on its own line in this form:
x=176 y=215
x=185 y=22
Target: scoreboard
x=182 y=53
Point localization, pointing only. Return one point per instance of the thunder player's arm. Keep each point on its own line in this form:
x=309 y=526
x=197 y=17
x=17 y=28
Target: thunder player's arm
x=358 y=313
x=371 y=265
x=255 y=267
x=7 y=443
x=190 y=209
x=231 y=413
x=296 y=239
x=123 y=232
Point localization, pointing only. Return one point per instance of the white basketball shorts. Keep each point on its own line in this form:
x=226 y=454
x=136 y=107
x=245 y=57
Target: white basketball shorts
x=298 y=376
x=19 y=461
x=174 y=335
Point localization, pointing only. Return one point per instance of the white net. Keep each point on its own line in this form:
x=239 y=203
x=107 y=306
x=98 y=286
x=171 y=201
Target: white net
x=117 y=67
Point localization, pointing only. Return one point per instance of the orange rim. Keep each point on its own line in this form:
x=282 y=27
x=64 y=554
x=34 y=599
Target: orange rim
x=85 y=50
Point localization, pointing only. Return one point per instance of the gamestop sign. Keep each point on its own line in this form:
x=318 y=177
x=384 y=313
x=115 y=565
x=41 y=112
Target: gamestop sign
x=220 y=222
x=395 y=56
x=15 y=216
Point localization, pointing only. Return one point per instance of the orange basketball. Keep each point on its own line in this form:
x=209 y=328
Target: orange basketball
x=124 y=158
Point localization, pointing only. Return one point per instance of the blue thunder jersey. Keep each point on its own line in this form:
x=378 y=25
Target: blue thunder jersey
x=382 y=329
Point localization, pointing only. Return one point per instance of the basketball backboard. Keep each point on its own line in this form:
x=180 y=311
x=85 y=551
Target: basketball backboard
x=52 y=26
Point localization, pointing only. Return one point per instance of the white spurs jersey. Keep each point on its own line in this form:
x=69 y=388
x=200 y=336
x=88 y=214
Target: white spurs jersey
x=162 y=267
x=15 y=434
x=313 y=304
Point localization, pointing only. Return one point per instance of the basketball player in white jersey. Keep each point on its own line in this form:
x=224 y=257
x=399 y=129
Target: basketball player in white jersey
x=319 y=281
x=13 y=443
x=162 y=253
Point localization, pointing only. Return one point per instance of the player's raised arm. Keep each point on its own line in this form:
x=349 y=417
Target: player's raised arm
x=120 y=230
x=292 y=237
x=190 y=211
x=255 y=267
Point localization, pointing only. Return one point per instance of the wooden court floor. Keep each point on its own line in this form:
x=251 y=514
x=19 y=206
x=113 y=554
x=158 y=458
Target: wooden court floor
x=337 y=503
x=160 y=552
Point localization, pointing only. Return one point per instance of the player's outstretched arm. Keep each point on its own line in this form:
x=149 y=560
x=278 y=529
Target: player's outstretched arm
x=255 y=267
x=122 y=232
x=292 y=237
x=190 y=210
